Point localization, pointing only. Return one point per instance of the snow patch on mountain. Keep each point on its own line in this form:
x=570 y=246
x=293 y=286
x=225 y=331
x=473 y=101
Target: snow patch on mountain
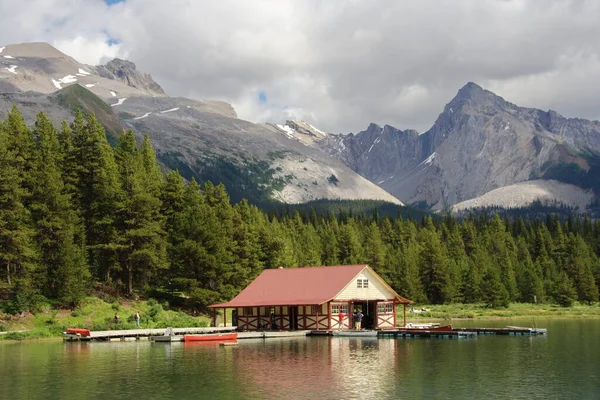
x=113 y=93
x=144 y=116
x=83 y=72
x=119 y=102
x=287 y=131
x=8 y=57
x=65 y=79
x=170 y=110
x=524 y=193
x=429 y=159
x=12 y=69
x=2 y=49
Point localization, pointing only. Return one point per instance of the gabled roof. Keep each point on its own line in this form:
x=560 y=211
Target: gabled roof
x=298 y=286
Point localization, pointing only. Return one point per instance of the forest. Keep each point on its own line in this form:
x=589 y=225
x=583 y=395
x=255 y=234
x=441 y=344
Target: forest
x=80 y=217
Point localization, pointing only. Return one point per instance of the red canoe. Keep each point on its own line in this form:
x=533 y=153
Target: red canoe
x=209 y=337
x=80 y=331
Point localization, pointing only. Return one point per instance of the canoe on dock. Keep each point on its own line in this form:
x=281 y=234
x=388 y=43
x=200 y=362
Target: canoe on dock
x=346 y=333
x=78 y=331
x=210 y=337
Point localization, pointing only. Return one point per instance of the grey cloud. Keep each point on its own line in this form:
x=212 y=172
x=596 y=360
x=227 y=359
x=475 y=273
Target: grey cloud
x=344 y=64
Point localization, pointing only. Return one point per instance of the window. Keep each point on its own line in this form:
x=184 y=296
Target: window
x=248 y=311
x=362 y=283
x=336 y=308
x=384 y=308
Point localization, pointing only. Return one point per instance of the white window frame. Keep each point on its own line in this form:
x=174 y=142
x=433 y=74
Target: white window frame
x=385 y=308
x=335 y=308
x=362 y=283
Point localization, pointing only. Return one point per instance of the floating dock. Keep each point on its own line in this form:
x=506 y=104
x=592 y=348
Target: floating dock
x=177 y=336
x=418 y=333
x=158 y=334
x=137 y=334
x=509 y=330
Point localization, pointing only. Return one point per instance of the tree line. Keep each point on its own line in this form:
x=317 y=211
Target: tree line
x=78 y=215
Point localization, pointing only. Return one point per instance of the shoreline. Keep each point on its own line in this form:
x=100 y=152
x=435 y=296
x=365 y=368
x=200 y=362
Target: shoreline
x=423 y=319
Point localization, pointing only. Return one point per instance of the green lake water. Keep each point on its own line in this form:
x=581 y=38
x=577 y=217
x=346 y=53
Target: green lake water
x=565 y=364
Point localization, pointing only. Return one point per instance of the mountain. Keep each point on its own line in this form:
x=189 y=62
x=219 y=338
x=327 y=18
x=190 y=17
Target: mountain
x=478 y=144
x=301 y=131
x=202 y=139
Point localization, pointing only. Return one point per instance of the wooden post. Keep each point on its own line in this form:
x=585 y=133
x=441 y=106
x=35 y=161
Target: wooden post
x=214 y=318
x=404 y=306
x=224 y=317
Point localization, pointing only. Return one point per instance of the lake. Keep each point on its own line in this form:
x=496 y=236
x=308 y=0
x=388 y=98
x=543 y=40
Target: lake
x=565 y=364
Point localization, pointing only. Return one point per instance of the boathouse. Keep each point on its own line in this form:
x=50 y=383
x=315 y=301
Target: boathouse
x=312 y=299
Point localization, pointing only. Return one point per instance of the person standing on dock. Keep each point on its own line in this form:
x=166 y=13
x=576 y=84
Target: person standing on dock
x=341 y=319
x=358 y=316
x=137 y=319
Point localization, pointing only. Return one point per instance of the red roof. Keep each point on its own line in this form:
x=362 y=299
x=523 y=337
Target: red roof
x=295 y=286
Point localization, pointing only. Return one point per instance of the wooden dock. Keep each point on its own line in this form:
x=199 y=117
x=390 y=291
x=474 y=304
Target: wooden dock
x=456 y=333
x=147 y=334
x=510 y=330
x=137 y=334
x=418 y=333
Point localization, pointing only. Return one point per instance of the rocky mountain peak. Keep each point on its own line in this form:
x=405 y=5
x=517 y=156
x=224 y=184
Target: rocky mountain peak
x=127 y=73
x=473 y=97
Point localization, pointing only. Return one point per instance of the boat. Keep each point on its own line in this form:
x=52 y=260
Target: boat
x=168 y=336
x=210 y=337
x=349 y=333
x=78 y=331
x=427 y=327
x=540 y=331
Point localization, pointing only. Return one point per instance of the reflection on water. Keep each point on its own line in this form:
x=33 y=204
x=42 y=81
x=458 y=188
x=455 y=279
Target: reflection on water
x=565 y=364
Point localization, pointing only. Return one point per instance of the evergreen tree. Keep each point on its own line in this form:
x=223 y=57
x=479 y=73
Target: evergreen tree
x=98 y=194
x=374 y=251
x=579 y=268
x=17 y=250
x=564 y=290
x=66 y=272
x=434 y=268
x=141 y=237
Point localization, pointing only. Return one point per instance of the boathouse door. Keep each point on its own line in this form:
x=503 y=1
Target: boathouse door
x=293 y=318
x=369 y=311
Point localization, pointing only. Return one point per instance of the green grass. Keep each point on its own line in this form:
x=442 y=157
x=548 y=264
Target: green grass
x=97 y=315
x=514 y=310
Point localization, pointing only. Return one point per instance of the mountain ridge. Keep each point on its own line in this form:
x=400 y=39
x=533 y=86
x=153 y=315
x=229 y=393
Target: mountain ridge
x=204 y=139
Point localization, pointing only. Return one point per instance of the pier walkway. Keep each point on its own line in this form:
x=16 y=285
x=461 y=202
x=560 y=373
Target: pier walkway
x=456 y=333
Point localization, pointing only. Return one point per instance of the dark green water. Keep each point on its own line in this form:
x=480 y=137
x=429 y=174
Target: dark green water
x=563 y=365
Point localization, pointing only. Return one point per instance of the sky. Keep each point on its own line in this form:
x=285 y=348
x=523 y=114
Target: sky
x=337 y=64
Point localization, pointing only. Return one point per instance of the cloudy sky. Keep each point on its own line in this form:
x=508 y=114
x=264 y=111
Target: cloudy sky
x=338 y=64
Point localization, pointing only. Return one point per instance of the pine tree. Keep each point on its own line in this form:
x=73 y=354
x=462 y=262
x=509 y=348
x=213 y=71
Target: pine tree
x=564 y=290
x=66 y=272
x=434 y=268
x=17 y=250
x=350 y=250
x=141 y=233
x=495 y=294
x=374 y=251
x=98 y=195
x=579 y=264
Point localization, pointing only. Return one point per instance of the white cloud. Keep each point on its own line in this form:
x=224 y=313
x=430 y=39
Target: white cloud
x=88 y=50
x=338 y=64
